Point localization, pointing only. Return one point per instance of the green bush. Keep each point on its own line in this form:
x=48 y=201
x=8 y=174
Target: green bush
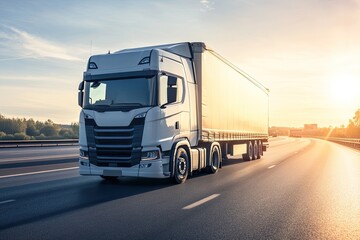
x=32 y=131
x=8 y=137
x=21 y=136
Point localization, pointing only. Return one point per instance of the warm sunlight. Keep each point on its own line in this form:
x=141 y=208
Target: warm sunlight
x=344 y=88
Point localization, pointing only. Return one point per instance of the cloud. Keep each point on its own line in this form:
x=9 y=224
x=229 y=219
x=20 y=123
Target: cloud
x=21 y=44
x=207 y=5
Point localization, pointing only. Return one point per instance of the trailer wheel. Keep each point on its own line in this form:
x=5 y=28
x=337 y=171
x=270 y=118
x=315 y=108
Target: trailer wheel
x=181 y=165
x=260 y=149
x=249 y=152
x=256 y=151
x=214 y=159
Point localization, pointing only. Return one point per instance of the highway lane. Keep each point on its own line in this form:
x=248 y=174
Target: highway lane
x=26 y=152
x=35 y=159
x=301 y=189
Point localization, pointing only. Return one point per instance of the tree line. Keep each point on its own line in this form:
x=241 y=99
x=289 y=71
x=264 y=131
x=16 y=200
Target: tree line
x=354 y=126
x=29 y=129
x=352 y=130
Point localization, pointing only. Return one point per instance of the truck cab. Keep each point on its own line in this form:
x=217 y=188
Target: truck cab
x=136 y=104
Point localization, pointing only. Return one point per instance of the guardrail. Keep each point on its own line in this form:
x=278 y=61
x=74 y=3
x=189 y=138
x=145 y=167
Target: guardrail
x=350 y=142
x=38 y=143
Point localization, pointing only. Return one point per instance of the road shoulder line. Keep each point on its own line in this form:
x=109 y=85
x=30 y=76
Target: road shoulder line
x=39 y=172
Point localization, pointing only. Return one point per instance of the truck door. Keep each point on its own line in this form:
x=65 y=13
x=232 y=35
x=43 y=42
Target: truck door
x=171 y=93
x=172 y=98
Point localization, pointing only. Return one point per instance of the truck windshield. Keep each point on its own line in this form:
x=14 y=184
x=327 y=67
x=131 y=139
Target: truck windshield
x=120 y=94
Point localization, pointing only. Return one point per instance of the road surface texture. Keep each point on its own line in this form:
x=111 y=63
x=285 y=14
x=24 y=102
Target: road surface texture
x=300 y=189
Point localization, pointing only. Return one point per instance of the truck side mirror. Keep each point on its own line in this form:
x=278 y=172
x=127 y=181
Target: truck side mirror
x=81 y=86
x=81 y=94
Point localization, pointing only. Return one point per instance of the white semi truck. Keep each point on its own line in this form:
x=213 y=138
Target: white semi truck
x=167 y=111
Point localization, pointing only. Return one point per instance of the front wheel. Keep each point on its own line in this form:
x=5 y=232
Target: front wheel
x=181 y=165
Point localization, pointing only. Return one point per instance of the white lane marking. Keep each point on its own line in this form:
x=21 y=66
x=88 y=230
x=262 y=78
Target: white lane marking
x=202 y=201
x=7 y=201
x=271 y=166
x=39 y=172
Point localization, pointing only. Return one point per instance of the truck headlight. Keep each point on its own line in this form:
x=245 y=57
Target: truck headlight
x=150 y=155
x=84 y=154
x=141 y=115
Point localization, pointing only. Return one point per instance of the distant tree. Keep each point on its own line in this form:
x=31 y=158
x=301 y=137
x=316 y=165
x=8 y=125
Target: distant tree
x=31 y=129
x=12 y=126
x=75 y=129
x=356 y=119
x=39 y=125
x=49 y=130
x=353 y=129
x=67 y=133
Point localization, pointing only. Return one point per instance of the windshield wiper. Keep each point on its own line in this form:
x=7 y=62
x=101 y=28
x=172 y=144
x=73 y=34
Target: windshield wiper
x=97 y=107
x=129 y=104
x=125 y=107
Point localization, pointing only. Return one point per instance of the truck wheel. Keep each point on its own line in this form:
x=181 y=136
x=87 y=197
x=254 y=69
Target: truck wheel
x=260 y=149
x=248 y=156
x=181 y=165
x=109 y=178
x=214 y=159
x=256 y=151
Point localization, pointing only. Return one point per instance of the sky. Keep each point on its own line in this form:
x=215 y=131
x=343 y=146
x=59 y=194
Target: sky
x=306 y=52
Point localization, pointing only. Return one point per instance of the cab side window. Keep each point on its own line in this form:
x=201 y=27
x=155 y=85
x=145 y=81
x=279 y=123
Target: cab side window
x=170 y=89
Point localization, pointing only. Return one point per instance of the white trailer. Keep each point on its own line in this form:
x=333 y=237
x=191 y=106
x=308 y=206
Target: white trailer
x=167 y=111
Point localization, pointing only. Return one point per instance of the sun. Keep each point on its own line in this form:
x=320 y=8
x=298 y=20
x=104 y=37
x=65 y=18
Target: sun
x=345 y=88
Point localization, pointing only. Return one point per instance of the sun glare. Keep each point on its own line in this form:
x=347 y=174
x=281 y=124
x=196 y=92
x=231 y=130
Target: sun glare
x=345 y=89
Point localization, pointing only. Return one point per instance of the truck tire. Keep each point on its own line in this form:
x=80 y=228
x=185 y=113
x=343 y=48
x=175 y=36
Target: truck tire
x=256 y=150
x=260 y=149
x=214 y=158
x=248 y=156
x=181 y=165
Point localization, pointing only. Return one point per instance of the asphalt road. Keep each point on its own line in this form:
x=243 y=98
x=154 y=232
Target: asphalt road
x=33 y=159
x=300 y=189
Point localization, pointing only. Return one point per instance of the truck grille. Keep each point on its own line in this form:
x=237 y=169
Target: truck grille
x=114 y=146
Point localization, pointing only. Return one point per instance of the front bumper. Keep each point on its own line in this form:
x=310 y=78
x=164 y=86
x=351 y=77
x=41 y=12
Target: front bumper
x=147 y=169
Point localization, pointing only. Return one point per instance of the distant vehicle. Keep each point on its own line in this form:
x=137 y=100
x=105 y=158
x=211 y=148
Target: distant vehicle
x=167 y=111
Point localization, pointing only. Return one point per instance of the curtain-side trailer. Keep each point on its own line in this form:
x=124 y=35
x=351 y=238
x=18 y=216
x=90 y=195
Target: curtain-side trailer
x=167 y=111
